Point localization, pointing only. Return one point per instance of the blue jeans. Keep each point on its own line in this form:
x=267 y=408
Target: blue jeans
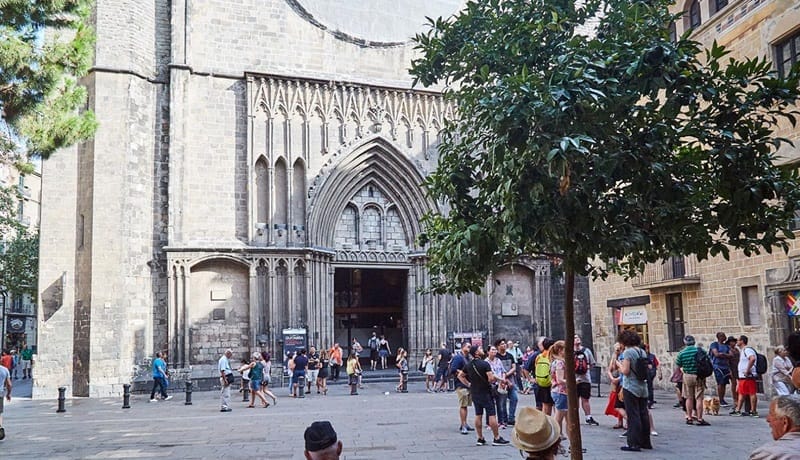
x=500 y=401
x=512 y=403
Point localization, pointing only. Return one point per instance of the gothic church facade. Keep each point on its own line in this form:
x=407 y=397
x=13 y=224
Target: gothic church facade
x=258 y=167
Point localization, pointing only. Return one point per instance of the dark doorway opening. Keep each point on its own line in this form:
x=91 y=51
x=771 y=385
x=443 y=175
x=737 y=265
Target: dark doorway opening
x=367 y=300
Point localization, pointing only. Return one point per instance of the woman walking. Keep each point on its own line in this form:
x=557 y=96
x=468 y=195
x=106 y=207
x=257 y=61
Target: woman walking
x=353 y=373
x=322 y=377
x=402 y=365
x=266 y=361
x=781 y=372
x=256 y=375
x=429 y=369
x=383 y=351
x=559 y=388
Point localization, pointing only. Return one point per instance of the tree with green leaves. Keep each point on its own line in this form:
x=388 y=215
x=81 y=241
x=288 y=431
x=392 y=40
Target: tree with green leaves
x=606 y=150
x=19 y=265
x=45 y=47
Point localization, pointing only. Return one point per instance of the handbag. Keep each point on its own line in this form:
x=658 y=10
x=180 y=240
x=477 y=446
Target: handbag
x=421 y=367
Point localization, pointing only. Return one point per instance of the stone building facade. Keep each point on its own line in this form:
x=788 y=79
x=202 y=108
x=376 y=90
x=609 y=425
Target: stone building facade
x=743 y=295
x=258 y=167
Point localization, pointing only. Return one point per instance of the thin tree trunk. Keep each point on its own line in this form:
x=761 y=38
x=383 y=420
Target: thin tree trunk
x=573 y=414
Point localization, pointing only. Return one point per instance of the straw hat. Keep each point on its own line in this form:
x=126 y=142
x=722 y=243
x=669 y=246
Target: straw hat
x=534 y=431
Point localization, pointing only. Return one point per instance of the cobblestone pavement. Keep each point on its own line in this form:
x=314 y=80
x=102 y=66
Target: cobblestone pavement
x=372 y=425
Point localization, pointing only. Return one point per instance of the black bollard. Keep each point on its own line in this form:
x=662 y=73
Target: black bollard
x=61 y=398
x=404 y=385
x=188 y=393
x=126 y=396
x=246 y=391
x=301 y=386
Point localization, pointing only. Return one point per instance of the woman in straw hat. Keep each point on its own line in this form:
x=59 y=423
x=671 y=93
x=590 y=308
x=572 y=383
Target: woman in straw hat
x=536 y=434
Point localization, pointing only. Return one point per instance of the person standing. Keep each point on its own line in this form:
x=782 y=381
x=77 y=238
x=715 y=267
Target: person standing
x=335 y=361
x=383 y=351
x=746 y=386
x=733 y=365
x=313 y=370
x=353 y=371
x=693 y=386
x=5 y=380
x=401 y=361
x=15 y=364
x=558 y=388
x=299 y=371
x=443 y=368
x=584 y=362
x=27 y=358
x=781 y=372
x=793 y=348
x=510 y=365
x=499 y=387
x=322 y=377
x=429 y=370
x=720 y=359
x=634 y=391
x=653 y=371
x=7 y=361
x=356 y=347
x=226 y=380
x=372 y=343
x=457 y=366
x=160 y=375
x=478 y=378
x=516 y=352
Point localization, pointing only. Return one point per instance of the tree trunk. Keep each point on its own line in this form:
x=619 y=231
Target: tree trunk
x=573 y=404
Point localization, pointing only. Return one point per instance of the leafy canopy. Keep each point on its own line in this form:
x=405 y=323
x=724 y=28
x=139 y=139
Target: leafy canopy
x=45 y=46
x=614 y=145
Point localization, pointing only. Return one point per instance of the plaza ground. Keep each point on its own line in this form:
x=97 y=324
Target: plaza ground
x=372 y=425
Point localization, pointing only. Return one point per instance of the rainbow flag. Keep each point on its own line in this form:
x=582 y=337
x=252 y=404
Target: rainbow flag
x=793 y=303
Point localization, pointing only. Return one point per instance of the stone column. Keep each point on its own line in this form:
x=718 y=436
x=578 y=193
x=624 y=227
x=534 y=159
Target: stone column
x=253 y=308
x=187 y=294
x=172 y=315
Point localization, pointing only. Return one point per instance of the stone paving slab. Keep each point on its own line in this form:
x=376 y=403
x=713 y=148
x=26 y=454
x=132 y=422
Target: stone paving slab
x=372 y=425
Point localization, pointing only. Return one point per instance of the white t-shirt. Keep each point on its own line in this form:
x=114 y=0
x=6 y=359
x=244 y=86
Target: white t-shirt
x=744 y=357
x=224 y=365
x=3 y=376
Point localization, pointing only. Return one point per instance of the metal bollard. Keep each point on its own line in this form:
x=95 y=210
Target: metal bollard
x=61 y=398
x=301 y=386
x=404 y=385
x=126 y=396
x=246 y=391
x=188 y=393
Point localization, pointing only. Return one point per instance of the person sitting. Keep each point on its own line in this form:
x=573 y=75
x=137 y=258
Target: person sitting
x=321 y=442
x=536 y=434
x=784 y=422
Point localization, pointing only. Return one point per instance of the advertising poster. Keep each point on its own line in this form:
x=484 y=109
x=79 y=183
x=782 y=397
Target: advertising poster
x=293 y=340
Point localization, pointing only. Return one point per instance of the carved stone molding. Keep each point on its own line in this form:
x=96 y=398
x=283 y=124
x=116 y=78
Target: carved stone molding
x=371 y=256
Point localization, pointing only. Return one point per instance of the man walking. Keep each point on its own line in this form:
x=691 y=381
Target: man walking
x=693 y=386
x=226 y=380
x=510 y=365
x=159 y=378
x=478 y=377
x=5 y=379
x=458 y=365
x=584 y=361
x=746 y=385
x=720 y=358
x=372 y=343
x=442 y=369
x=27 y=356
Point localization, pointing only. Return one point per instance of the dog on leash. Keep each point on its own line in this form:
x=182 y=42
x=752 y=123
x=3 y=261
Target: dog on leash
x=711 y=405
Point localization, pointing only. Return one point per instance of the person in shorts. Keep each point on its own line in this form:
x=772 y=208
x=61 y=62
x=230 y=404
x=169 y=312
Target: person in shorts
x=457 y=365
x=478 y=377
x=543 y=395
x=584 y=380
x=720 y=359
x=442 y=369
x=313 y=370
x=746 y=386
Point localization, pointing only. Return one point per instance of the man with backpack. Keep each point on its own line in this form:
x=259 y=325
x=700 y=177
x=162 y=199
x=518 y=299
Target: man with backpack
x=748 y=374
x=695 y=370
x=720 y=357
x=584 y=361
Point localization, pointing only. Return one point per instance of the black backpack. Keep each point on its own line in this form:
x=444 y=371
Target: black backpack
x=639 y=366
x=703 y=364
x=761 y=362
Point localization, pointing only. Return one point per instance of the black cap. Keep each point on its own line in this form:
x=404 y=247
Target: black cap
x=319 y=436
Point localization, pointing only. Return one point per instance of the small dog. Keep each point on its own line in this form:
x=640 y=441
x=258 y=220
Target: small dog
x=711 y=405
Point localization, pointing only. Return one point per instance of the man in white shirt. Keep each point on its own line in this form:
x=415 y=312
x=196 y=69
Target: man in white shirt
x=746 y=385
x=226 y=379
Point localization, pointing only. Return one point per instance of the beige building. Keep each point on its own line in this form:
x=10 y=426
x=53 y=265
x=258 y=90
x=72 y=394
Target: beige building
x=752 y=296
x=18 y=314
x=257 y=168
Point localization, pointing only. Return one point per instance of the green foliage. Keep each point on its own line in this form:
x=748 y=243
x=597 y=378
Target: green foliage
x=19 y=265
x=617 y=146
x=45 y=46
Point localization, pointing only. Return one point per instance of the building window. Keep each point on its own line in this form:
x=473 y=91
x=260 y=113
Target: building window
x=751 y=306
x=786 y=53
x=675 y=321
x=717 y=5
x=694 y=14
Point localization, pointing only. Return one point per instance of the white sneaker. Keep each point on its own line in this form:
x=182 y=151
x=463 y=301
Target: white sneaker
x=153 y=400
x=168 y=398
x=654 y=433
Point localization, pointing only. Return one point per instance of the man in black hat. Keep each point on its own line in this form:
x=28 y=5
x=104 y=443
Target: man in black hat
x=321 y=442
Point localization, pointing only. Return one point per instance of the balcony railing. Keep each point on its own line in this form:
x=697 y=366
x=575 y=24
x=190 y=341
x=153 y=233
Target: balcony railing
x=674 y=271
